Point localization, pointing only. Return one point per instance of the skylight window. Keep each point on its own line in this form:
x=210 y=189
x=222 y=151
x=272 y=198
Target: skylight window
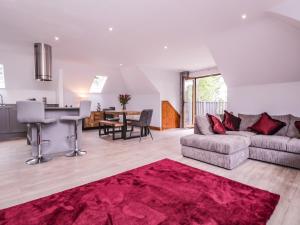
x=98 y=84
x=2 y=81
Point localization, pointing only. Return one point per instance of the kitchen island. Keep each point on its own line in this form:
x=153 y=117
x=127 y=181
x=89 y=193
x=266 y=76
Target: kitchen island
x=57 y=133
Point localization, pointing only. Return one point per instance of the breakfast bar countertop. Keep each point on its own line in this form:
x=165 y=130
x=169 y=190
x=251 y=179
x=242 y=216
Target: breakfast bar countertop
x=61 y=108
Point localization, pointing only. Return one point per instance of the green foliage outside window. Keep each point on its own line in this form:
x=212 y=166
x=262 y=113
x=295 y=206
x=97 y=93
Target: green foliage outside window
x=211 y=89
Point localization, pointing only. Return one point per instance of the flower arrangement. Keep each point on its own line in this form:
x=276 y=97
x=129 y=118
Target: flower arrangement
x=124 y=99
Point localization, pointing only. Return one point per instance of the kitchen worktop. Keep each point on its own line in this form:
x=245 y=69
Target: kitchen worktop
x=5 y=106
x=61 y=108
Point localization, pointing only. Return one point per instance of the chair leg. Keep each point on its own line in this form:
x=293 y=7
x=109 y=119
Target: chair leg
x=100 y=129
x=141 y=133
x=76 y=151
x=131 y=131
x=39 y=158
x=149 y=131
x=113 y=130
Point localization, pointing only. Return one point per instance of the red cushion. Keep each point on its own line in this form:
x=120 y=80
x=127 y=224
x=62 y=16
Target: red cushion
x=297 y=125
x=266 y=125
x=216 y=124
x=231 y=122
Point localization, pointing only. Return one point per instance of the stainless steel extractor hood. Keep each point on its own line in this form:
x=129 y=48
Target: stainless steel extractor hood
x=43 y=62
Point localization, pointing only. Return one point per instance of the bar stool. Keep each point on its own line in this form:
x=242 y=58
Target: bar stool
x=33 y=113
x=84 y=111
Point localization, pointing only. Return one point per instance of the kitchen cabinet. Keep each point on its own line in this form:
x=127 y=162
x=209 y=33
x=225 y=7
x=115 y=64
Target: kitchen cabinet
x=4 y=119
x=9 y=125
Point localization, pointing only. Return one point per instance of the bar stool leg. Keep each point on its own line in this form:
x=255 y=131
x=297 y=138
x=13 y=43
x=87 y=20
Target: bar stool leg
x=39 y=158
x=76 y=151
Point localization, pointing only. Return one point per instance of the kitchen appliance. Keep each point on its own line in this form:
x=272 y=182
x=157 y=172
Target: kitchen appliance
x=43 y=61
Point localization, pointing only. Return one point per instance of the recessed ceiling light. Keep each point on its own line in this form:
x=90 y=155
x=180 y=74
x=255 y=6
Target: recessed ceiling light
x=56 y=38
x=110 y=29
x=244 y=16
x=121 y=64
x=165 y=47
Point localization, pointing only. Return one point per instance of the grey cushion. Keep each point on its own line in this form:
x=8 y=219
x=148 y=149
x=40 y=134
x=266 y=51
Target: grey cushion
x=225 y=144
x=292 y=130
x=248 y=121
x=270 y=142
x=30 y=112
x=274 y=156
x=241 y=133
x=49 y=120
x=286 y=119
x=293 y=145
x=214 y=158
x=203 y=125
x=196 y=129
x=85 y=109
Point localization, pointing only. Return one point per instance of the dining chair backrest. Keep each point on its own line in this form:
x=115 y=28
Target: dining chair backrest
x=30 y=112
x=85 y=109
x=146 y=117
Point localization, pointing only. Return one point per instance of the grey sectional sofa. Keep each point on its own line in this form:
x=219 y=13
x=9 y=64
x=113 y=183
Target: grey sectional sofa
x=235 y=147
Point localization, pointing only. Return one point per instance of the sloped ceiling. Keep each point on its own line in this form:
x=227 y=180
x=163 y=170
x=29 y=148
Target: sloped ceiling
x=199 y=34
x=137 y=82
x=264 y=51
x=289 y=8
x=79 y=77
x=141 y=28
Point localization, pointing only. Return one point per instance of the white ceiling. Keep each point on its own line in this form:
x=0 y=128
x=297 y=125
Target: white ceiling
x=141 y=28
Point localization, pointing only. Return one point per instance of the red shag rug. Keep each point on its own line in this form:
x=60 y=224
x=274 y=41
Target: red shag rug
x=165 y=192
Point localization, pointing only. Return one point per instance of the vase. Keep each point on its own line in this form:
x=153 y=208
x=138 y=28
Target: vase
x=124 y=107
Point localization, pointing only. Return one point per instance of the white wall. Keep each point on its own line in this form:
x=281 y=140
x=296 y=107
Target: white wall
x=260 y=64
x=147 y=101
x=20 y=84
x=143 y=93
x=78 y=78
x=205 y=72
x=166 y=82
x=275 y=99
x=149 y=86
x=18 y=61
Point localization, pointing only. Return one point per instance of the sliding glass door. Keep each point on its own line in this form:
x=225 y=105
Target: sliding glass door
x=204 y=95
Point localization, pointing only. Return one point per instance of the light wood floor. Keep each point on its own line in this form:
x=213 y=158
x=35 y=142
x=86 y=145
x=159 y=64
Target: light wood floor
x=21 y=183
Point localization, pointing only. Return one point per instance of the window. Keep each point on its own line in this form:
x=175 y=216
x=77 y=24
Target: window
x=2 y=81
x=211 y=95
x=98 y=84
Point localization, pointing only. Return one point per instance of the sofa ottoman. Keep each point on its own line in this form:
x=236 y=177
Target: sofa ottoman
x=227 y=151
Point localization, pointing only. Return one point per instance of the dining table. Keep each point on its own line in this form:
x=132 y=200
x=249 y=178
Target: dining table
x=124 y=114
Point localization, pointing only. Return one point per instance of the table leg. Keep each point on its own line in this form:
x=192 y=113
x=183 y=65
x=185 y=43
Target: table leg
x=125 y=126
